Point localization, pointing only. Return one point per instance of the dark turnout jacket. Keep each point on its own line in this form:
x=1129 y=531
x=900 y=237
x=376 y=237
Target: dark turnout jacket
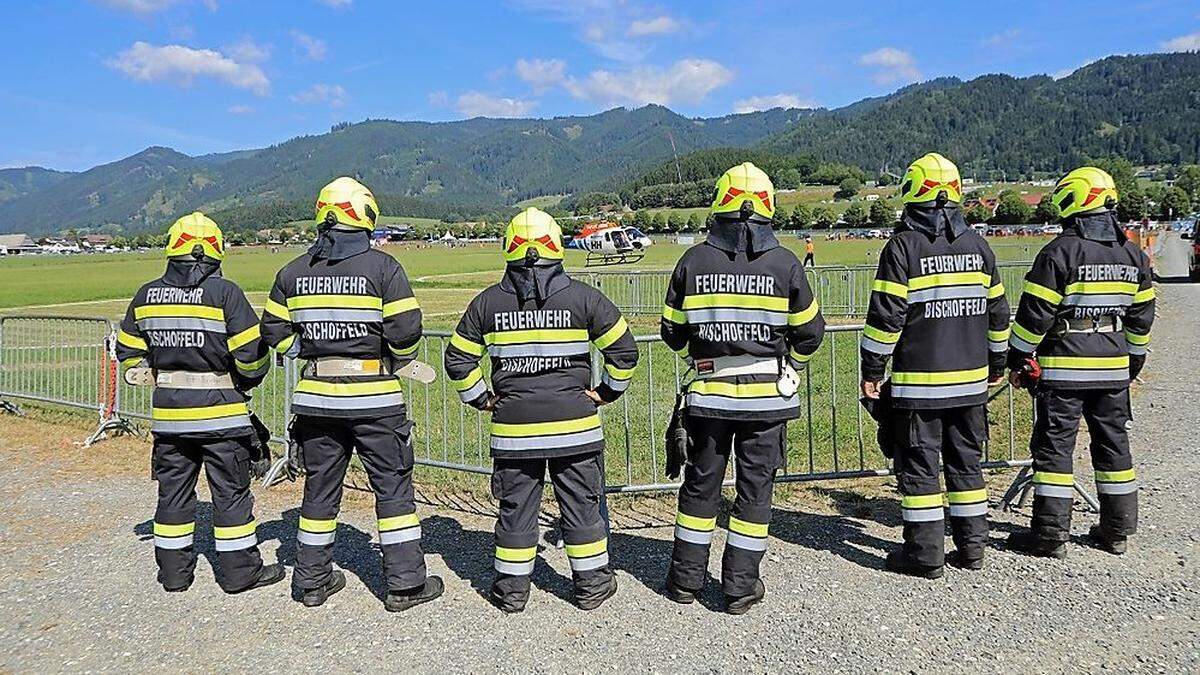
x=360 y=307
x=182 y=322
x=938 y=311
x=539 y=352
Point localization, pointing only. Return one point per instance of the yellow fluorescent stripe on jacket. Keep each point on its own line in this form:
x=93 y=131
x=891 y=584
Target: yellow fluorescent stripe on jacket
x=318 y=525
x=695 y=522
x=967 y=496
x=805 y=315
x=207 y=412
x=1039 y=291
x=165 y=530
x=881 y=335
x=245 y=337
x=399 y=522
x=1116 y=476
x=770 y=303
x=921 y=501
x=619 y=373
x=891 y=288
x=252 y=365
x=463 y=344
x=399 y=306
x=587 y=550
x=1144 y=295
x=674 y=315
x=746 y=390
x=234 y=531
x=406 y=351
x=469 y=381
x=546 y=428
x=949 y=279
x=389 y=386
x=1084 y=362
x=798 y=357
x=131 y=341
x=335 y=302
x=999 y=335
x=1026 y=334
x=1050 y=478
x=619 y=329
x=747 y=528
x=944 y=377
x=1135 y=339
x=1101 y=288
x=286 y=343
x=277 y=310
x=511 y=337
x=996 y=291
x=177 y=311
x=516 y=554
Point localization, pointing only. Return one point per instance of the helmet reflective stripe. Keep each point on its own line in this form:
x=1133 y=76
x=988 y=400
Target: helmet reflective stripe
x=347 y=202
x=1084 y=189
x=744 y=184
x=192 y=230
x=533 y=229
x=929 y=177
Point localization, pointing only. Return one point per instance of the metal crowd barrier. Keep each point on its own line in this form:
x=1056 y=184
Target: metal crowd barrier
x=841 y=290
x=71 y=362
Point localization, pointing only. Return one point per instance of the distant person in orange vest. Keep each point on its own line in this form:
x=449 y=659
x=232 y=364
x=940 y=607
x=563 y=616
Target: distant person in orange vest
x=809 y=250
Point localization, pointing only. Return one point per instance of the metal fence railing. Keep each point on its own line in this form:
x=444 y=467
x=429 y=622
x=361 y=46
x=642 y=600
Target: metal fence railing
x=70 y=362
x=841 y=290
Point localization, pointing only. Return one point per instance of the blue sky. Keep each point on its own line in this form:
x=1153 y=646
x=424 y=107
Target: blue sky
x=91 y=81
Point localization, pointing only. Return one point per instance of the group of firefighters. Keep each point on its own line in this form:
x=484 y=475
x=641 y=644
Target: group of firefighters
x=738 y=310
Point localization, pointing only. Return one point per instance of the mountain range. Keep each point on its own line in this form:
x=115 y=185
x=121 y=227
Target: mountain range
x=1144 y=108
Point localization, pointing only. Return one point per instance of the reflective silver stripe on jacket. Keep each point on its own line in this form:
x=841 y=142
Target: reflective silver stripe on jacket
x=613 y=383
x=539 y=349
x=968 y=510
x=932 y=391
x=1057 y=491
x=764 y=404
x=518 y=569
x=173 y=543
x=693 y=536
x=193 y=426
x=947 y=293
x=591 y=563
x=180 y=323
x=342 y=315
x=735 y=315
x=473 y=392
x=236 y=544
x=746 y=543
x=348 y=402
x=875 y=346
x=1021 y=345
x=927 y=515
x=1125 y=488
x=1084 y=375
x=1113 y=300
x=315 y=538
x=400 y=536
x=547 y=442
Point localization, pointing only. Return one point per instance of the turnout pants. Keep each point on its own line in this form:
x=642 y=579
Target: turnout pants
x=758 y=451
x=1052 y=446
x=578 y=481
x=956 y=437
x=385 y=448
x=177 y=461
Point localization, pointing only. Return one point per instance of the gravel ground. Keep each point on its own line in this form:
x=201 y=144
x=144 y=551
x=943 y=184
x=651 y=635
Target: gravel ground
x=79 y=591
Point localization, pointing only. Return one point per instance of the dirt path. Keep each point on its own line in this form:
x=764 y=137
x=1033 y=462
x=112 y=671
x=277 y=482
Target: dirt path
x=79 y=590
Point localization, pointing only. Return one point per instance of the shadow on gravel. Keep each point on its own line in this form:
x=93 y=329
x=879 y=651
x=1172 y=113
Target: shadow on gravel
x=840 y=535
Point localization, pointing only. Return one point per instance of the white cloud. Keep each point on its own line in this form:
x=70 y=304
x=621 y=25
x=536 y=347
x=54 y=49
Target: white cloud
x=659 y=25
x=686 y=81
x=891 y=65
x=180 y=65
x=478 y=104
x=542 y=74
x=240 y=109
x=313 y=48
x=248 y=51
x=332 y=95
x=336 y=4
x=1183 y=43
x=755 y=103
x=438 y=99
x=1004 y=38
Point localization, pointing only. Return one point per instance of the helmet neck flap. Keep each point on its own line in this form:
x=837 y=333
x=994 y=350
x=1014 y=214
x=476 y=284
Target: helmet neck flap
x=741 y=233
x=934 y=219
x=336 y=243
x=1098 y=225
x=534 y=279
x=187 y=271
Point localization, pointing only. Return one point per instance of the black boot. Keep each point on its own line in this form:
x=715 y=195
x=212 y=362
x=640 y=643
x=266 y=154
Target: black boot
x=680 y=595
x=397 y=601
x=178 y=589
x=1111 y=543
x=962 y=560
x=267 y=575
x=594 y=600
x=315 y=597
x=898 y=561
x=1030 y=544
x=742 y=604
x=509 y=603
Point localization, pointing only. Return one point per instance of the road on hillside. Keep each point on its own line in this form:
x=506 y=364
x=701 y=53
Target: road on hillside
x=79 y=591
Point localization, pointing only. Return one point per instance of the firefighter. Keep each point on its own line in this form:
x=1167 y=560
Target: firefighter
x=1085 y=316
x=938 y=311
x=349 y=312
x=538 y=326
x=740 y=310
x=200 y=338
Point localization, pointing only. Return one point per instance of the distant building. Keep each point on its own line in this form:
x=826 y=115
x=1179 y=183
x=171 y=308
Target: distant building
x=14 y=244
x=97 y=240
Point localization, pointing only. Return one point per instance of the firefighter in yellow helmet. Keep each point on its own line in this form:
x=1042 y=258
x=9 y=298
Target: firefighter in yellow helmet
x=348 y=311
x=740 y=311
x=1083 y=327
x=938 y=313
x=200 y=338
x=538 y=326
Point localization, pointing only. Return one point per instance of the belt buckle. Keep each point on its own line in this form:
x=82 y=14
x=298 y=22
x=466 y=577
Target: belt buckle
x=705 y=367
